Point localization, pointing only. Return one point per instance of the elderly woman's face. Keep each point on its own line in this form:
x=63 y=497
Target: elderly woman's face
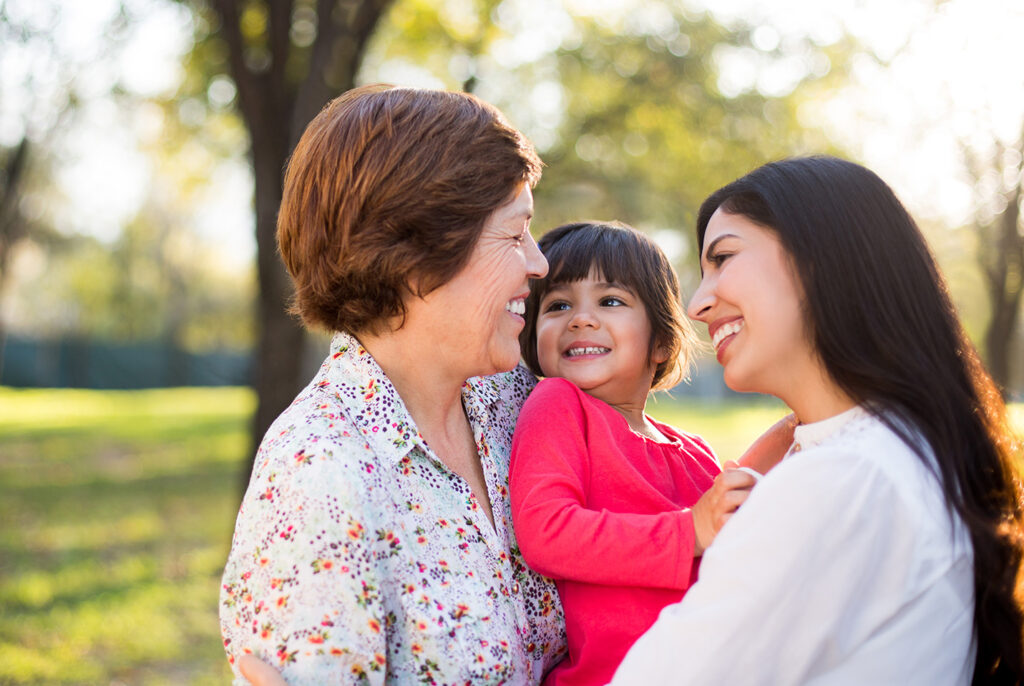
x=477 y=316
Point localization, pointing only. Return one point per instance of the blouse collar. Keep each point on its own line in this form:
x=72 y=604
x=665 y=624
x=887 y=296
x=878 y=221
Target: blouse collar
x=809 y=435
x=373 y=403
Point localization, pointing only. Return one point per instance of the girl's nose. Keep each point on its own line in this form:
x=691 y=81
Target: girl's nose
x=583 y=317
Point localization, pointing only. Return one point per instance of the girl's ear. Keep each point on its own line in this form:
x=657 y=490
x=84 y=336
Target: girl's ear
x=659 y=354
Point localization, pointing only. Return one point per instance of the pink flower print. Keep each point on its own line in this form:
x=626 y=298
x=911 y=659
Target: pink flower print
x=371 y=390
x=355 y=530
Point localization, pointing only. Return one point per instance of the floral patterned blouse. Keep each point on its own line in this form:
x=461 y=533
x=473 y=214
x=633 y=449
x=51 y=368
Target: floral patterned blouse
x=359 y=557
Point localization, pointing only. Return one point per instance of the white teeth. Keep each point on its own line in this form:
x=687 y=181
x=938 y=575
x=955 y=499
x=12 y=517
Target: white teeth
x=516 y=307
x=726 y=330
x=573 y=352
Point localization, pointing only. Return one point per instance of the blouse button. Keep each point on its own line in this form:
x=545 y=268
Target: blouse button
x=796 y=448
x=515 y=587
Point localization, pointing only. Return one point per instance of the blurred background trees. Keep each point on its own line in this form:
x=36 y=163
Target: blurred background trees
x=639 y=109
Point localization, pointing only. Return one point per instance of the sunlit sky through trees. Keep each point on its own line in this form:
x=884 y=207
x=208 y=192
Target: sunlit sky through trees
x=943 y=73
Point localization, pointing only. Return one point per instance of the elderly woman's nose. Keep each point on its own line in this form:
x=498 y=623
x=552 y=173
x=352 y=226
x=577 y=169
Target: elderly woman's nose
x=536 y=263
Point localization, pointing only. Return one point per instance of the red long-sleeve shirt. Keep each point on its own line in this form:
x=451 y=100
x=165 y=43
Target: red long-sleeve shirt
x=605 y=513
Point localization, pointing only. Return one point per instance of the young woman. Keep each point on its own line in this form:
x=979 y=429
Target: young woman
x=885 y=547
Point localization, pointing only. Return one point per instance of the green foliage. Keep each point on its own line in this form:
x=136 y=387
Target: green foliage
x=626 y=110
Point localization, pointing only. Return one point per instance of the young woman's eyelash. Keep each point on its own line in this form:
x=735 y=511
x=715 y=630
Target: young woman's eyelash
x=717 y=258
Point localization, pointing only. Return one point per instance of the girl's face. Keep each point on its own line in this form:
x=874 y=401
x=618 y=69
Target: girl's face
x=751 y=300
x=596 y=334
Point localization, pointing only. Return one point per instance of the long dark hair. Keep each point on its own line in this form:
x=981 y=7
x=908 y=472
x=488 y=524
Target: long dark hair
x=886 y=330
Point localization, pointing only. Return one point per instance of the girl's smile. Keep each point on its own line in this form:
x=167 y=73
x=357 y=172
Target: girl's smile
x=597 y=334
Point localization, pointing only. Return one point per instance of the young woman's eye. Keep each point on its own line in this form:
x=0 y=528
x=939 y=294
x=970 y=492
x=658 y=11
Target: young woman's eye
x=718 y=258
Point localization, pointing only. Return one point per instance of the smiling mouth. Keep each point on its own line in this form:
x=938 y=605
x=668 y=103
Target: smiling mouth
x=517 y=306
x=725 y=331
x=590 y=350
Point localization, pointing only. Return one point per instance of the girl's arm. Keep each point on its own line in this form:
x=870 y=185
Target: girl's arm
x=563 y=539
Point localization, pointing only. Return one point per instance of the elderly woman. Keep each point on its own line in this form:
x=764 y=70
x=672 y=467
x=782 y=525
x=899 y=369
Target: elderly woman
x=375 y=540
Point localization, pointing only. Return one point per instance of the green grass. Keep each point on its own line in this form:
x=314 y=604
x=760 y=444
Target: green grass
x=117 y=510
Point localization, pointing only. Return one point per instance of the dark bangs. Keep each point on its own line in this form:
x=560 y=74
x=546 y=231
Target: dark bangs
x=625 y=256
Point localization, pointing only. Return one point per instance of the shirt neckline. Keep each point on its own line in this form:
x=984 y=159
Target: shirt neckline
x=809 y=435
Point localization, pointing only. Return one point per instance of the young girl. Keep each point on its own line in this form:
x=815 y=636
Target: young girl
x=886 y=546
x=612 y=505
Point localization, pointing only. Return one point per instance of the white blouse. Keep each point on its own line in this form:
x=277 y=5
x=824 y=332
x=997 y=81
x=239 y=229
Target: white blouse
x=844 y=566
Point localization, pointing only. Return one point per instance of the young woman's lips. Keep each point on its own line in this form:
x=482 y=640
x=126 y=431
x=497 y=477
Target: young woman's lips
x=723 y=334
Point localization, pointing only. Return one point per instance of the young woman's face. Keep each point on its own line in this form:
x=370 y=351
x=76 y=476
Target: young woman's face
x=751 y=300
x=596 y=334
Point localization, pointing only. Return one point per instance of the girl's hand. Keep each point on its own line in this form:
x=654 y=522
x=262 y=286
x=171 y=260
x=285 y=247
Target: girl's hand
x=259 y=673
x=717 y=505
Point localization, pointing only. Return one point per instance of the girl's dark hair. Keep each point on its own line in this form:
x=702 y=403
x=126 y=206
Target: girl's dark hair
x=883 y=323
x=628 y=257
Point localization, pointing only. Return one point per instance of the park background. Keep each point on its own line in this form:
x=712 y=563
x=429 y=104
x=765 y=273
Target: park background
x=143 y=340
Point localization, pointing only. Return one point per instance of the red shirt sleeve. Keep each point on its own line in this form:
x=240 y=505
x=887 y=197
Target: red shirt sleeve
x=558 y=534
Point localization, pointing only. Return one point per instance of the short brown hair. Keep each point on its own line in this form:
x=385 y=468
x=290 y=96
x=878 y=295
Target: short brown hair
x=624 y=255
x=385 y=196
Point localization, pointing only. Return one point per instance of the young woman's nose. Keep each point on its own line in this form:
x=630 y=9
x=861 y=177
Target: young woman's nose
x=702 y=300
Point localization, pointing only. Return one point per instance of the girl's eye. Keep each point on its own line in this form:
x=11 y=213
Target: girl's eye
x=557 y=306
x=612 y=301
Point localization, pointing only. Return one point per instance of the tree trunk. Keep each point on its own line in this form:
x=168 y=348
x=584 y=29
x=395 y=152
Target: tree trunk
x=276 y=107
x=1004 y=271
x=278 y=374
x=12 y=224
